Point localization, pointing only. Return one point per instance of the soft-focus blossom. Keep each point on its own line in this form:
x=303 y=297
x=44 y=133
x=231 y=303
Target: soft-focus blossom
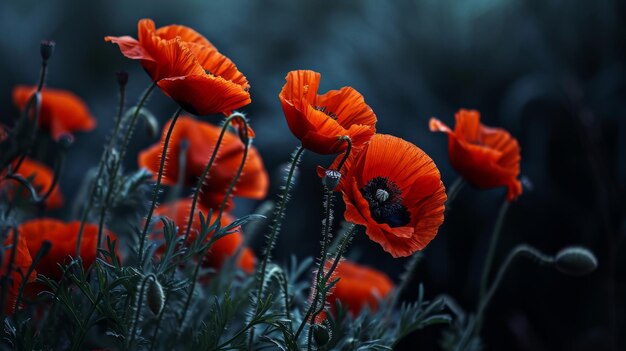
x=62 y=237
x=40 y=177
x=187 y=67
x=221 y=249
x=486 y=157
x=62 y=112
x=319 y=120
x=21 y=264
x=394 y=189
x=201 y=138
x=358 y=287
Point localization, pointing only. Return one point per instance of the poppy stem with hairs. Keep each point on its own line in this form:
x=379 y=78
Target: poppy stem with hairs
x=454 y=190
x=157 y=186
x=101 y=166
x=135 y=321
x=7 y=275
x=279 y=214
x=233 y=183
x=58 y=166
x=492 y=248
x=519 y=250
x=207 y=168
x=43 y=250
x=158 y=322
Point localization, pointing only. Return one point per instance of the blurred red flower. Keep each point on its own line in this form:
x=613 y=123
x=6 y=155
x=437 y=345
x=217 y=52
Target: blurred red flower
x=319 y=120
x=201 y=138
x=62 y=237
x=62 y=112
x=358 y=287
x=187 y=67
x=221 y=249
x=41 y=178
x=21 y=264
x=394 y=189
x=486 y=157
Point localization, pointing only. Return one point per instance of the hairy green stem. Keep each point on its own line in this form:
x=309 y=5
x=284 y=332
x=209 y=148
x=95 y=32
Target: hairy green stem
x=147 y=279
x=492 y=248
x=157 y=186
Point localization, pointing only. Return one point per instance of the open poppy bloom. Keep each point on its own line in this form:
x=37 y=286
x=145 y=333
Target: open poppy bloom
x=358 y=287
x=394 y=189
x=221 y=249
x=62 y=112
x=319 y=120
x=187 y=67
x=21 y=264
x=486 y=157
x=62 y=237
x=41 y=178
x=201 y=138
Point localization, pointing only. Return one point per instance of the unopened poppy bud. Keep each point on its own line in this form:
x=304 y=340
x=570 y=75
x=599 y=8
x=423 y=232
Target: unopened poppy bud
x=47 y=49
x=122 y=78
x=321 y=334
x=66 y=140
x=331 y=179
x=576 y=261
x=155 y=296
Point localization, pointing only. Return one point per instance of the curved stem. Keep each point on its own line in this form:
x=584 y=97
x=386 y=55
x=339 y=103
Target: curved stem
x=7 y=276
x=138 y=308
x=101 y=166
x=56 y=176
x=158 y=323
x=454 y=190
x=492 y=248
x=519 y=250
x=214 y=237
x=205 y=172
x=407 y=277
x=157 y=186
x=346 y=154
x=279 y=214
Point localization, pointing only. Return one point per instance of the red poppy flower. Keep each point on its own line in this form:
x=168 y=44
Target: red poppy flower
x=187 y=67
x=41 y=177
x=221 y=249
x=319 y=120
x=62 y=112
x=358 y=287
x=21 y=264
x=394 y=189
x=63 y=237
x=486 y=157
x=201 y=138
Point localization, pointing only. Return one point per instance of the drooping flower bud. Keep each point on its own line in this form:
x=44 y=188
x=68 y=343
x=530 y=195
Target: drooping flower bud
x=321 y=334
x=47 y=49
x=122 y=78
x=331 y=179
x=155 y=296
x=576 y=261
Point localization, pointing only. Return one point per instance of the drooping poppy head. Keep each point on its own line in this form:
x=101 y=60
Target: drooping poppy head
x=319 y=120
x=394 y=189
x=358 y=287
x=187 y=67
x=201 y=139
x=40 y=177
x=62 y=237
x=486 y=157
x=62 y=112
x=20 y=267
x=221 y=249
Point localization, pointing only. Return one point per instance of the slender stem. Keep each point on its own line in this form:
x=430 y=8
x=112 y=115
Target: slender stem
x=158 y=323
x=56 y=175
x=42 y=75
x=138 y=308
x=43 y=250
x=492 y=248
x=519 y=250
x=25 y=183
x=205 y=172
x=279 y=214
x=326 y=237
x=7 y=276
x=347 y=238
x=35 y=100
x=214 y=238
x=101 y=167
x=347 y=153
x=407 y=277
x=157 y=186
x=454 y=190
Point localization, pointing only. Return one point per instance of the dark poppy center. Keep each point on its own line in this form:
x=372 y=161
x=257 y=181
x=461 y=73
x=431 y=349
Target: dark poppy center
x=325 y=111
x=385 y=200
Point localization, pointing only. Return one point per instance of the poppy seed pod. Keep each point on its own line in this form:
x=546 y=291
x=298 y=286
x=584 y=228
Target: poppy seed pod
x=122 y=78
x=321 y=334
x=576 y=261
x=155 y=296
x=331 y=179
x=47 y=49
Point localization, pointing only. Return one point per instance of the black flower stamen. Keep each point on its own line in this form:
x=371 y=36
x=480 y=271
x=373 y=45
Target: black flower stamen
x=325 y=111
x=385 y=202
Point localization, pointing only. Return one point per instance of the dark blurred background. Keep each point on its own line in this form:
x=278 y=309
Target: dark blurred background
x=552 y=72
